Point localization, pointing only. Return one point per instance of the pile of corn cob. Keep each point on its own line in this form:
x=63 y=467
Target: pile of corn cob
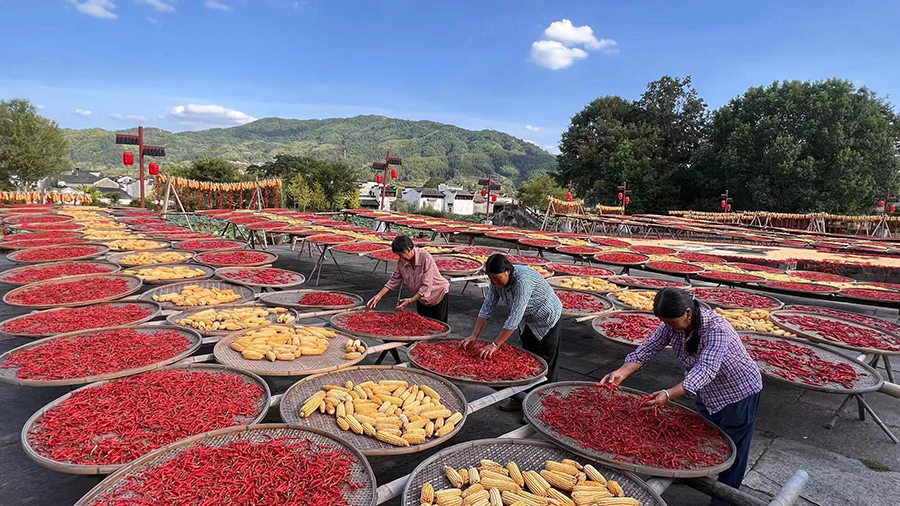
x=565 y=483
x=354 y=348
x=756 y=320
x=637 y=300
x=279 y=342
x=236 y=318
x=391 y=411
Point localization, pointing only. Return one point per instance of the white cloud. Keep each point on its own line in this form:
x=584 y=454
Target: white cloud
x=152 y=21
x=216 y=5
x=532 y=128
x=128 y=117
x=570 y=35
x=83 y=112
x=554 y=55
x=102 y=9
x=536 y=144
x=552 y=149
x=39 y=106
x=209 y=116
x=159 y=5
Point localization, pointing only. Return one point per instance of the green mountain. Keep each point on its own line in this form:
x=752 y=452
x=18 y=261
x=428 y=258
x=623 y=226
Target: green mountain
x=429 y=149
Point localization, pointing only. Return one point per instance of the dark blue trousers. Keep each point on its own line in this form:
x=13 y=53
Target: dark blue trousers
x=738 y=421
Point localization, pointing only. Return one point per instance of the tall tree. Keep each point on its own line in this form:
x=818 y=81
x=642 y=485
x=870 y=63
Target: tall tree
x=534 y=192
x=31 y=147
x=211 y=169
x=649 y=143
x=803 y=146
x=336 y=182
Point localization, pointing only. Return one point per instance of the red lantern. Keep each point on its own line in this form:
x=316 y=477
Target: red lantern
x=880 y=203
x=620 y=195
x=723 y=203
x=154 y=168
x=393 y=173
x=627 y=200
x=483 y=192
x=569 y=196
x=893 y=208
x=494 y=198
x=128 y=158
x=378 y=178
x=728 y=208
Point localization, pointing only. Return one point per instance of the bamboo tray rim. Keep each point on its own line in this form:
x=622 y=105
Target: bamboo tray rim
x=269 y=299
x=602 y=333
x=3 y=275
x=469 y=381
x=337 y=325
x=774 y=315
x=247 y=294
x=116 y=258
x=250 y=284
x=272 y=258
x=102 y=249
x=156 y=309
x=135 y=282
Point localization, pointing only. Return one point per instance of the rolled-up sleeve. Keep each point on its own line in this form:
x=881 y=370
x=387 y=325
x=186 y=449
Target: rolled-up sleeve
x=518 y=302
x=708 y=363
x=657 y=342
x=395 y=281
x=490 y=302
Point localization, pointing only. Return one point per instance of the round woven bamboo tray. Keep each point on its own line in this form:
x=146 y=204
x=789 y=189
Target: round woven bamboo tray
x=297 y=394
x=361 y=472
x=133 y=284
x=233 y=245
x=247 y=294
x=798 y=290
x=469 y=381
x=116 y=258
x=153 y=306
x=164 y=245
x=557 y=282
x=332 y=360
x=868 y=380
x=710 y=276
x=336 y=323
x=803 y=274
x=529 y=454
x=375 y=247
x=207 y=273
x=607 y=304
x=18 y=219
x=871 y=321
x=5 y=275
x=64 y=467
x=532 y=408
x=574 y=251
x=173 y=318
x=291 y=298
x=635 y=282
x=383 y=256
x=464 y=272
x=325 y=239
x=14 y=256
x=222 y=271
x=603 y=258
x=270 y=258
x=8 y=375
x=776 y=304
x=596 y=325
x=660 y=267
x=817 y=337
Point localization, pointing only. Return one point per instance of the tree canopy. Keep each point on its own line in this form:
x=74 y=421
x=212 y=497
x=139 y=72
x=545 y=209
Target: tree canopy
x=211 y=169
x=31 y=147
x=534 y=192
x=313 y=184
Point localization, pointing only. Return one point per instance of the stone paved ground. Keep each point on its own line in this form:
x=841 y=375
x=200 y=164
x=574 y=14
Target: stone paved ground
x=790 y=435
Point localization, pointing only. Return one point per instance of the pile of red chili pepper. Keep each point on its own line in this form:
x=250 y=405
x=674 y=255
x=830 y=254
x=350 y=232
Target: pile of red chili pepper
x=50 y=226
x=800 y=286
x=37 y=218
x=264 y=276
x=60 y=253
x=799 y=363
x=735 y=277
x=539 y=243
x=608 y=241
x=479 y=251
x=647 y=282
x=691 y=256
x=578 y=250
x=653 y=250
x=455 y=264
x=837 y=331
x=527 y=260
x=325 y=299
x=580 y=270
x=122 y=420
x=582 y=302
x=233 y=257
x=244 y=220
x=287 y=471
x=402 y=323
x=755 y=267
x=50 y=234
x=871 y=294
x=209 y=244
x=96 y=353
x=734 y=298
x=508 y=363
x=504 y=235
x=75 y=319
x=603 y=419
x=846 y=315
x=822 y=276
x=70 y=291
x=34 y=274
x=621 y=258
x=678 y=267
x=330 y=238
x=35 y=243
x=360 y=248
x=386 y=255
x=634 y=327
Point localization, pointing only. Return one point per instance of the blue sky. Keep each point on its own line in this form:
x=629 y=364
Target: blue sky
x=522 y=67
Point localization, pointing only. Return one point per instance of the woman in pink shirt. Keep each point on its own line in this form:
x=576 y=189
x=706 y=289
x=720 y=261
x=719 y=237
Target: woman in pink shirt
x=417 y=269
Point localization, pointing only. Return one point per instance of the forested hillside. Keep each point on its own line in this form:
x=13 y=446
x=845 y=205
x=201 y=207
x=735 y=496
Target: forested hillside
x=429 y=149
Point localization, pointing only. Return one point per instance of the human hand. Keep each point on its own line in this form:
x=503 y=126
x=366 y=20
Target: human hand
x=655 y=400
x=616 y=377
x=373 y=302
x=467 y=342
x=403 y=304
x=488 y=351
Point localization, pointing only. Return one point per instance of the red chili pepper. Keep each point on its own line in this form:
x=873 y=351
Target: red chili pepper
x=479 y=251
x=633 y=327
x=691 y=256
x=653 y=250
x=846 y=315
x=799 y=363
x=504 y=235
x=243 y=220
x=580 y=270
x=75 y=319
x=266 y=276
x=232 y=258
x=539 y=243
x=447 y=357
x=755 y=267
x=70 y=292
x=800 y=287
x=871 y=294
x=51 y=234
x=210 y=244
x=621 y=258
x=360 y=248
x=456 y=264
x=734 y=298
x=45 y=218
x=403 y=323
x=34 y=274
x=582 y=302
x=731 y=276
x=330 y=238
x=844 y=332
x=57 y=253
x=647 y=282
x=607 y=241
x=325 y=299
x=527 y=260
x=50 y=226
x=386 y=255
x=822 y=276
x=679 y=267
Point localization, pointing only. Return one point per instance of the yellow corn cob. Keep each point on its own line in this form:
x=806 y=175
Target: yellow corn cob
x=487 y=472
x=343 y=423
x=552 y=465
x=447 y=492
x=312 y=404
x=427 y=496
x=322 y=407
x=462 y=471
x=559 y=480
x=429 y=429
x=340 y=410
x=535 y=483
x=362 y=393
x=446 y=429
x=418 y=424
x=355 y=426
x=430 y=392
x=618 y=501
x=485 y=501
x=348 y=407
x=560 y=497
x=490 y=465
x=615 y=489
x=454 y=418
x=515 y=474
x=533 y=498
x=588 y=497
x=436 y=413
x=364 y=418
x=475 y=497
x=453 y=476
x=438 y=423
x=390 y=438
x=490 y=482
x=572 y=463
x=474 y=476
x=495 y=498
x=587 y=485
x=452 y=500
x=593 y=474
x=510 y=497
x=368 y=429
x=471 y=490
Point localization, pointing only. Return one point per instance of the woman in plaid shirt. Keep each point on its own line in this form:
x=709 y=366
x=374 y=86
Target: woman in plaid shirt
x=719 y=372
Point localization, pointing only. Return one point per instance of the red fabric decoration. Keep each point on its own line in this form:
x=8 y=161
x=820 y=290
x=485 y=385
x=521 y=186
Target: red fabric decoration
x=128 y=158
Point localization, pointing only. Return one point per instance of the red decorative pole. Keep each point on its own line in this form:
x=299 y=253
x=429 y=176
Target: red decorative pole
x=384 y=166
x=138 y=140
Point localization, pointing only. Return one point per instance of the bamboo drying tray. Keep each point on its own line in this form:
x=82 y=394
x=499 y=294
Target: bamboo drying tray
x=361 y=472
x=112 y=269
x=116 y=258
x=598 y=297
x=155 y=310
x=235 y=245
x=299 y=278
x=469 y=381
x=557 y=282
x=133 y=283
x=173 y=318
x=332 y=360
x=596 y=325
x=634 y=282
x=297 y=394
x=101 y=249
x=270 y=258
x=336 y=323
x=466 y=272
x=817 y=337
x=8 y=375
x=529 y=454
x=777 y=303
x=247 y=294
x=291 y=298
x=65 y=467
x=532 y=408
x=207 y=273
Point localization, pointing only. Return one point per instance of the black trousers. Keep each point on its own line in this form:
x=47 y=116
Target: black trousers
x=438 y=311
x=546 y=348
x=738 y=420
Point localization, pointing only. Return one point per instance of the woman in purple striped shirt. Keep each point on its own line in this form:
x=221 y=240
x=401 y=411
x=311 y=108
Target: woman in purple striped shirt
x=725 y=381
